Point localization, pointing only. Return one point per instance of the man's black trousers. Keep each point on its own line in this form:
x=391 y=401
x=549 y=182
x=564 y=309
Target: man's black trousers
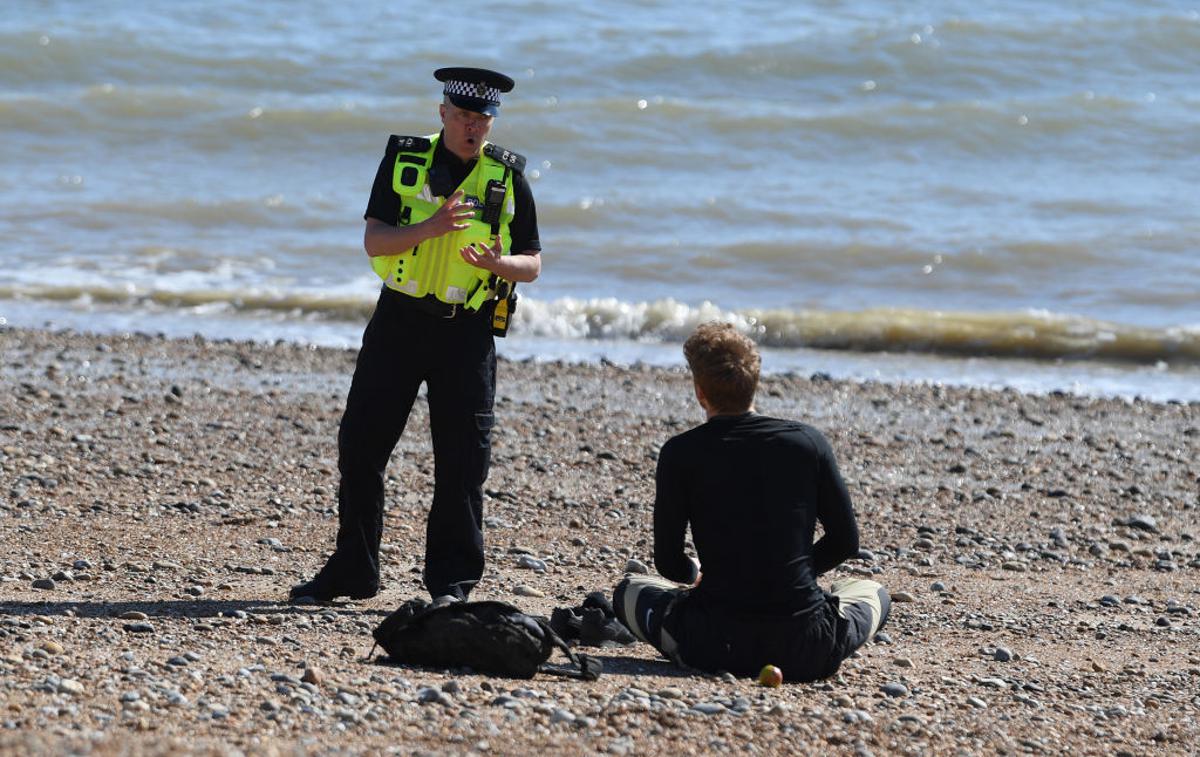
x=456 y=358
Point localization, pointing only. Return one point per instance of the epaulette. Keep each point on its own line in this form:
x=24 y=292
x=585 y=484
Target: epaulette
x=408 y=144
x=514 y=160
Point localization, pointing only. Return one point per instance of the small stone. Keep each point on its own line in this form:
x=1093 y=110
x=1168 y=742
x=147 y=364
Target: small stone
x=51 y=647
x=1142 y=522
x=977 y=703
x=903 y=596
x=671 y=692
x=937 y=586
x=1002 y=654
x=311 y=675
x=1016 y=567
x=531 y=563
x=709 y=708
x=561 y=716
x=1163 y=621
x=636 y=566
x=139 y=627
x=44 y=583
x=427 y=695
x=883 y=637
x=894 y=689
x=528 y=591
x=69 y=686
x=903 y=662
x=133 y=615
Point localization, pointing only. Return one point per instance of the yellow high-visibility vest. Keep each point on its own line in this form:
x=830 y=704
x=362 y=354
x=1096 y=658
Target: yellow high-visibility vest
x=435 y=266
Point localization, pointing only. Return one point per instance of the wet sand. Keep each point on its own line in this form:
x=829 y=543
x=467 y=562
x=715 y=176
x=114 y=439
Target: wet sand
x=160 y=496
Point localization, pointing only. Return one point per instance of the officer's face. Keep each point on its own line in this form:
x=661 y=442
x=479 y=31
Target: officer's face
x=465 y=130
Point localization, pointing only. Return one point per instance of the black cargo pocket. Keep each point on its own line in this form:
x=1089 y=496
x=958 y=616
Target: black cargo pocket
x=484 y=423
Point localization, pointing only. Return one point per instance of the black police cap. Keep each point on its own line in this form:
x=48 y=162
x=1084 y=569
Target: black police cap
x=474 y=89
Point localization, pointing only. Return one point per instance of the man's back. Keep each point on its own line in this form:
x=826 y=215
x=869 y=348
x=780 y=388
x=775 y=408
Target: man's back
x=753 y=488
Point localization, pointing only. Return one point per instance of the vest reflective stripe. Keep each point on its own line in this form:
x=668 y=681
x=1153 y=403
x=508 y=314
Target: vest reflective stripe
x=435 y=266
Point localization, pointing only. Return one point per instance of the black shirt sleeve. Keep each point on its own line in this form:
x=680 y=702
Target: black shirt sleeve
x=384 y=204
x=834 y=511
x=671 y=520
x=524 y=228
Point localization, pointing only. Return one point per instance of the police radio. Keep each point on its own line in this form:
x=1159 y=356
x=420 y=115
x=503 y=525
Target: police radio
x=493 y=202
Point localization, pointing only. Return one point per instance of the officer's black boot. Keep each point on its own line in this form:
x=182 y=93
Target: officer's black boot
x=353 y=568
x=331 y=583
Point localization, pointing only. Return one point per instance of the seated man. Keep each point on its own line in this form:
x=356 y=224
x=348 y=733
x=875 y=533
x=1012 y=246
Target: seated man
x=753 y=489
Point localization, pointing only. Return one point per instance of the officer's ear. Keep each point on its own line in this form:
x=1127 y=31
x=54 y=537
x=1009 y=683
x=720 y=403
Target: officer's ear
x=442 y=113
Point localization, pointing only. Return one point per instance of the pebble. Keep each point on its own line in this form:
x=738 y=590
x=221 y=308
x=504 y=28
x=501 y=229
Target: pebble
x=670 y=692
x=937 y=586
x=903 y=596
x=883 y=637
x=44 y=583
x=1142 y=522
x=709 y=708
x=531 y=563
x=528 y=591
x=51 y=647
x=636 y=566
x=312 y=676
x=977 y=703
x=894 y=689
x=903 y=662
x=561 y=716
x=1002 y=654
x=69 y=686
x=139 y=627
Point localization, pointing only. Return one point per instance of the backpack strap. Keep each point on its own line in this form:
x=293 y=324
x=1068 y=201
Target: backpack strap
x=585 y=668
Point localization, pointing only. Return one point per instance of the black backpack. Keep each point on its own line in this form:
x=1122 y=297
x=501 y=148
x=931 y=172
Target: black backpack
x=490 y=637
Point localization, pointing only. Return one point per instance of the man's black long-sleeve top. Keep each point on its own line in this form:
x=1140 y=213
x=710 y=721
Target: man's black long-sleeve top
x=753 y=489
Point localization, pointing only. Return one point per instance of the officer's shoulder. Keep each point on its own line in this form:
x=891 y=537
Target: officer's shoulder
x=398 y=143
x=514 y=160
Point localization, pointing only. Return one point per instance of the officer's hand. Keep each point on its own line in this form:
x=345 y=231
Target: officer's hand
x=452 y=216
x=483 y=257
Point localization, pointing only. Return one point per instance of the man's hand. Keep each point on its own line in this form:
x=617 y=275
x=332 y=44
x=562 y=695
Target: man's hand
x=487 y=258
x=452 y=216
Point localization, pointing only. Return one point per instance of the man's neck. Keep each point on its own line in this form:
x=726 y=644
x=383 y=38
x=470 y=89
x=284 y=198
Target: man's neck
x=717 y=414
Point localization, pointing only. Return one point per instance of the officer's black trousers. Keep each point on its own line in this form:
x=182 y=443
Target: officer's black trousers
x=456 y=358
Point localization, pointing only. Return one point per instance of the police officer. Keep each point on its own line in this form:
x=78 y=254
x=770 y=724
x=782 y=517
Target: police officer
x=451 y=228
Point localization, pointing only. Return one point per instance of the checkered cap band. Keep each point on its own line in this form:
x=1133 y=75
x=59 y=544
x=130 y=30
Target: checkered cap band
x=478 y=90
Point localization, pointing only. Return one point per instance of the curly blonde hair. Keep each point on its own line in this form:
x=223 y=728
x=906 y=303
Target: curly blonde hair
x=725 y=365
